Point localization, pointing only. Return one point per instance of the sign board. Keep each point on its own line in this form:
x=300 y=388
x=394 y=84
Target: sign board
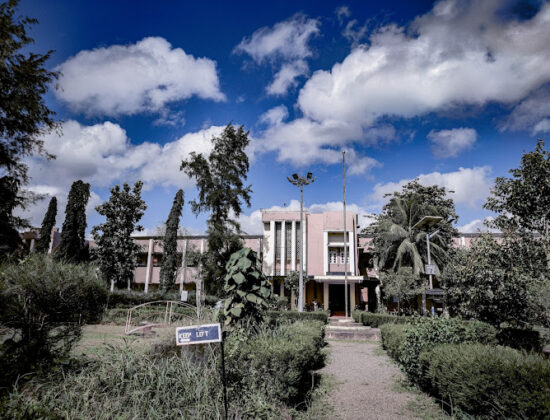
x=184 y=295
x=430 y=269
x=198 y=334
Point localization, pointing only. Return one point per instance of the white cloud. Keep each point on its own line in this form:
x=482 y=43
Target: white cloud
x=287 y=40
x=129 y=79
x=458 y=53
x=286 y=77
x=543 y=126
x=530 y=113
x=341 y=13
x=477 y=225
x=252 y=223
x=470 y=185
x=450 y=143
x=274 y=116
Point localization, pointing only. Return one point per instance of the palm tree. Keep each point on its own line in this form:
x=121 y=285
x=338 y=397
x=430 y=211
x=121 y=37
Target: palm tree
x=399 y=243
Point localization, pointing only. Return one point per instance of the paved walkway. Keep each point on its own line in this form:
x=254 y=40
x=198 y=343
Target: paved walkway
x=367 y=385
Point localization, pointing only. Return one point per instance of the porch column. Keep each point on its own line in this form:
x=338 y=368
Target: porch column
x=352 y=296
x=283 y=248
x=183 y=265
x=31 y=249
x=148 y=272
x=272 y=247
x=304 y=248
x=325 y=296
x=292 y=301
x=325 y=253
x=281 y=289
x=293 y=246
x=351 y=253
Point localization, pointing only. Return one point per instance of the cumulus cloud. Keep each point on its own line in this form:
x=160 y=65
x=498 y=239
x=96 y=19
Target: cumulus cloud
x=470 y=186
x=285 y=46
x=140 y=77
x=450 y=143
x=458 y=53
x=477 y=225
x=531 y=114
x=252 y=223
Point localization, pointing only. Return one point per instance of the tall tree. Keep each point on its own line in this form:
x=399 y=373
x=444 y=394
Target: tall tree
x=117 y=252
x=71 y=248
x=523 y=201
x=43 y=244
x=170 y=264
x=24 y=117
x=220 y=180
x=402 y=285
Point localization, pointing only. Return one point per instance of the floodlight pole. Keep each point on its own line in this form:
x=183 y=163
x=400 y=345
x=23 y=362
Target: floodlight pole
x=345 y=241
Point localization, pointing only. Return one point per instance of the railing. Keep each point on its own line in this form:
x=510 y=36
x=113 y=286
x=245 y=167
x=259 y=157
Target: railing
x=160 y=313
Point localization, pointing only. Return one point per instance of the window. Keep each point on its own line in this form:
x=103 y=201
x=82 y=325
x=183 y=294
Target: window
x=333 y=256
x=342 y=256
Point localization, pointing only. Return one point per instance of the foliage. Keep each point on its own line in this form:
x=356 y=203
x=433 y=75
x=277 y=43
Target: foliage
x=376 y=320
x=247 y=289
x=43 y=304
x=72 y=248
x=130 y=298
x=397 y=243
x=488 y=381
x=485 y=284
x=43 y=243
x=520 y=338
x=170 y=264
x=523 y=201
x=278 y=361
x=117 y=251
x=24 y=117
x=220 y=181
x=393 y=337
x=298 y=316
x=292 y=281
x=428 y=332
x=402 y=285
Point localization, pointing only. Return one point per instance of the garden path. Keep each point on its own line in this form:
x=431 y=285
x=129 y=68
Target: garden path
x=370 y=386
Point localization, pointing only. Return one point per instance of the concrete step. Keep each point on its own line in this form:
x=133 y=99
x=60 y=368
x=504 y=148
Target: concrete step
x=352 y=332
x=345 y=324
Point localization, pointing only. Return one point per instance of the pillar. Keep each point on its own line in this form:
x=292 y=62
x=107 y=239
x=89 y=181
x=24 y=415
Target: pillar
x=283 y=249
x=183 y=264
x=272 y=246
x=31 y=249
x=351 y=253
x=293 y=246
x=149 y=268
x=351 y=296
x=304 y=248
x=325 y=296
x=325 y=253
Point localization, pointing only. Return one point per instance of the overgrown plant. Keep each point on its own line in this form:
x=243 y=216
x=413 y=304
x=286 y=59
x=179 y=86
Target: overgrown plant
x=43 y=243
x=169 y=267
x=247 y=289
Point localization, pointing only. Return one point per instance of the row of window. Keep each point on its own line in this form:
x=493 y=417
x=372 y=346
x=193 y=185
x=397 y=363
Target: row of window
x=336 y=256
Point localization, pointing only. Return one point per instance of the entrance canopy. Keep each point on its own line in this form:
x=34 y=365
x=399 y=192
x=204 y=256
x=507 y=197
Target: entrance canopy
x=338 y=279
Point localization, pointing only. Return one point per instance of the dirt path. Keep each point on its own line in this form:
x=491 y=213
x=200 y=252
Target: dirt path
x=369 y=385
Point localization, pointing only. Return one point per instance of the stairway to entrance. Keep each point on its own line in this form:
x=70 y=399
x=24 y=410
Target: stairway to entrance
x=341 y=328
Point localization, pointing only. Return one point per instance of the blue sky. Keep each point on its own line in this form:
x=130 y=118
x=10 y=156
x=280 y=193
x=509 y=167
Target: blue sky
x=452 y=92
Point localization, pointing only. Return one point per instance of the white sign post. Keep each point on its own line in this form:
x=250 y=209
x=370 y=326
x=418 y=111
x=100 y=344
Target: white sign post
x=430 y=269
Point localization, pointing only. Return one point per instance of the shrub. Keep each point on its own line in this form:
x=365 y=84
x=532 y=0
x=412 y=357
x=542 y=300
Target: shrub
x=393 y=337
x=489 y=381
x=130 y=298
x=375 y=320
x=428 y=332
x=43 y=305
x=356 y=315
x=298 y=316
x=276 y=361
x=521 y=339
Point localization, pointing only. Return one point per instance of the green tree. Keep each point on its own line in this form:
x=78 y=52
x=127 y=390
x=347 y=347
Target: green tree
x=71 y=248
x=402 y=285
x=117 y=252
x=170 y=263
x=220 y=181
x=24 y=117
x=292 y=284
x=523 y=201
x=43 y=244
x=486 y=283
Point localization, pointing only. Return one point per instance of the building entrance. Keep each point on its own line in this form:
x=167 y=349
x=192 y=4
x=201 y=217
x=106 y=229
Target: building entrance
x=336 y=302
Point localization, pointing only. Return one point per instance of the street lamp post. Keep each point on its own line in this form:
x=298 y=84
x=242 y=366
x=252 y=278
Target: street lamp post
x=300 y=181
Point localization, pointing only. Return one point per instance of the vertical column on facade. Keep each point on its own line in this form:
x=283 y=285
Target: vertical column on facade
x=31 y=249
x=325 y=253
x=271 y=260
x=325 y=296
x=183 y=265
x=293 y=246
x=352 y=296
x=304 y=247
x=351 y=253
x=283 y=249
x=148 y=272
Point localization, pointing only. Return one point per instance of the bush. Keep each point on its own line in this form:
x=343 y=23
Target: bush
x=356 y=315
x=130 y=298
x=393 y=337
x=276 y=361
x=274 y=316
x=521 y=339
x=489 y=381
x=43 y=305
x=428 y=332
x=376 y=320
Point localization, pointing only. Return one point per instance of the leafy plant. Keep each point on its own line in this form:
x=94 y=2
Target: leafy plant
x=169 y=267
x=247 y=289
x=43 y=243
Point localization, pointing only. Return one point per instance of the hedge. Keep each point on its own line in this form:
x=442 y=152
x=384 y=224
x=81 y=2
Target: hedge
x=376 y=320
x=491 y=381
x=393 y=336
x=298 y=316
x=130 y=298
x=521 y=339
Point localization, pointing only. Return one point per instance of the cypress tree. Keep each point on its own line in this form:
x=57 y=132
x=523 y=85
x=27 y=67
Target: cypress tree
x=170 y=264
x=48 y=223
x=71 y=248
